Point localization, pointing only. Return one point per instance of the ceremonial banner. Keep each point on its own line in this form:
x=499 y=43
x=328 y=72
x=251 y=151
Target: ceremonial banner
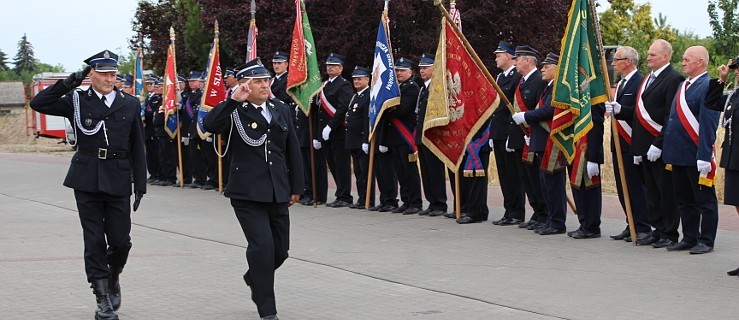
x=384 y=90
x=251 y=41
x=461 y=99
x=138 y=80
x=454 y=13
x=170 y=94
x=579 y=83
x=215 y=90
x=304 y=79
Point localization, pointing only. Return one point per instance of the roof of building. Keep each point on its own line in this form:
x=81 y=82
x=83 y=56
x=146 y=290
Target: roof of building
x=12 y=93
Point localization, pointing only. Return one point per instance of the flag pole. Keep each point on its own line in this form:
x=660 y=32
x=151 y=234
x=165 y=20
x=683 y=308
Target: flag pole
x=179 y=145
x=457 y=193
x=312 y=161
x=218 y=136
x=614 y=130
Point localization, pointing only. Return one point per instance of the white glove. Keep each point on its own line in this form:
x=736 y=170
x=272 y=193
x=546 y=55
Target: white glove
x=653 y=153
x=506 y=147
x=593 y=169
x=209 y=139
x=382 y=149
x=365 y=148
x=490 y=143
x=316 y=144
x=527 y=139
x=326 y=132
x=186 y=141
x=519 y=118
x=613 y=107
x=704 y=167
x=637 y=160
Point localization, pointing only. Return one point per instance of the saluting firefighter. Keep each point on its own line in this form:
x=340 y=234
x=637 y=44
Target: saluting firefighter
x=110 y=150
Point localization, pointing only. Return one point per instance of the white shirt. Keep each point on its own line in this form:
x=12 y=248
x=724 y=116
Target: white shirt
x=656 y=73
x=363 y=90
x=427 y=83
x=264 y=110
x=526 y=77
x=109 y=98
x=628 y=76
x=508 y=71
x=332 y=79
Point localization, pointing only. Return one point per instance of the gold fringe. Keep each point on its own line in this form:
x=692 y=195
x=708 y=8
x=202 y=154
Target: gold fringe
x=468 y=173
x=479 y=173
x=413 y=157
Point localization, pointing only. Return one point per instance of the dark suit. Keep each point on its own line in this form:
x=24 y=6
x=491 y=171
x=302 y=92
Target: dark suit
x=626 y=96
x=262 y=178
x=657 y=97
x=151 y=105
x=357 y=133
x=508 y=164
x=432 y=169
x=102 y=187
x=697 y=203
x=531 y=91
x=716 y=100
x=338 y=93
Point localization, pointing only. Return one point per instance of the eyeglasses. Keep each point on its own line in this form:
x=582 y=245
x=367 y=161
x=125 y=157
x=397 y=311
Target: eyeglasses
x=620 y=59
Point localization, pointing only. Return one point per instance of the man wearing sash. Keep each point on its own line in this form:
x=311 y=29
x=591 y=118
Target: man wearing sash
x=652 y=109
x=333 y=102
x=507 y=163
x=266 y=176
x=110 y=150
x=624 y=63
x=548 y=157
x=689 y=148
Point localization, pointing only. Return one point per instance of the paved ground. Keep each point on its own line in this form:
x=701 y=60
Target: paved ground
x=188 y=258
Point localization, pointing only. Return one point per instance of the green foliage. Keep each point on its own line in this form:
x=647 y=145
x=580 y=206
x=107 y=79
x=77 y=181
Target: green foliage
x=24 y=60
x=197 y=40
x=126 y=63
x=3 y=61
x=726 y=28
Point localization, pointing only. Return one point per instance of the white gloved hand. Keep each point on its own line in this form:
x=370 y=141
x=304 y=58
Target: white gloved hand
x=613 y=107
x=209 y=139
x=365 y=148
x=527 y=139
x=326 y=132
x=593 y=169
x=382 y=149
x=653 y=153
x=637 y=160
x=317 y=144
x=506 y=147
x=490 y=143
x=519 y=118
x=704 y=167
x=186 y=141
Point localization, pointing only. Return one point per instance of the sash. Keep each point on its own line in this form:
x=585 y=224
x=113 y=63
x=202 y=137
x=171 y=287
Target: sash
x=624 y=130
x=188 y=110
x=325 y=104
x=520 y=105
x=473 y=165
x=408 y=137
x=579 y=169
x=641 y=112
x=526 y=155
x=691 y=126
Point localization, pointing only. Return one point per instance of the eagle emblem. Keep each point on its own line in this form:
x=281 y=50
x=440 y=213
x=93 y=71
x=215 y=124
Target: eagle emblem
x=88 y=122
x=453 y=89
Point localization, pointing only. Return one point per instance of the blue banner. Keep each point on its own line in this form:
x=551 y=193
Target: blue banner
x=138 y=80
x=384 y=91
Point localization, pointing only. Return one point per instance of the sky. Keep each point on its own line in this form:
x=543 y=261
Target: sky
x=68 y=32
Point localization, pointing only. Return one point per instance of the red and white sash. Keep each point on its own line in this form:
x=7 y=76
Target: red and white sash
x=691 y=126
x=624 y=130
x=641 y=112
x=325 y=104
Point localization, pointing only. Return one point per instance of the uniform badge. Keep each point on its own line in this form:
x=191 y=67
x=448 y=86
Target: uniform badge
x=88 y=122
x=253 y=125
x=106 y=55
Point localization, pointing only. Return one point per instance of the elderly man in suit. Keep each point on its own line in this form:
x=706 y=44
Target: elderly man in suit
x=689 y=147
x=651 y=112
x=624 y=63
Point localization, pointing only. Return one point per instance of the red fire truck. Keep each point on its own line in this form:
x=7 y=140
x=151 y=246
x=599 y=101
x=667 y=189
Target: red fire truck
x=42 y=125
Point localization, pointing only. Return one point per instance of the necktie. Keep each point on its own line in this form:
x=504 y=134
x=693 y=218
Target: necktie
x=621 y=85
x=267 y=116
x=651 y=78
x=104 y=100
x=687 y=84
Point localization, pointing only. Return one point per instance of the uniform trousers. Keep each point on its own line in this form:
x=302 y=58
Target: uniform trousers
x=211 y=159
x=152 y=153
x=406 y=173
x=529 y=174
x=637 y=192
x=697 y=204
x=663 y=214
x=554 y=188
x=360 y=162
x=197 y=161
x=433 y=179
x=266 y=226
x=338 y=162
x=321 y=175
x=387 y=179
x=473 y=191
x=588 y=203
x=104 y=217
x=167 y=158
x=186 y=172
x=509 y=168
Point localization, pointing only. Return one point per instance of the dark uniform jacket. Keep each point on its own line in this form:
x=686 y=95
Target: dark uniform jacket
x=627 y=99
x=158 y=119
x=537 y=120
x=423 y=99
x=153 y=101
x=338 y=93
x=268 y=172
x=716 y=100
x=405 y=112
x=357 y=121
x=501 y=118
x=125 y=134
x=184 y=118
x=531 y=91
x=194 y=99
x=279 y=89
x=657 y=100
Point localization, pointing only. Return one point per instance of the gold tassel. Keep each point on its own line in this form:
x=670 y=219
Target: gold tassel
x=468 y=173
x=479 y=173
x=413 y=157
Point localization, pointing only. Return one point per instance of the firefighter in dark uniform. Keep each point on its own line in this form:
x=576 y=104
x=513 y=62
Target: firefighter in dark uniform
x=150 y=104
x=432 y=169
x=198 y=166
x=333 y=102
x=300 y=120
x=279 y=81
x=357 y=134
x=507 y=163
x=266 y=176
x=167 y=148
x=110 y=150
x=184 y=120
x=396 y=143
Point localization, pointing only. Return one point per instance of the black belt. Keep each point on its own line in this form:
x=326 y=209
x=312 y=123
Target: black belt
x=103 y=154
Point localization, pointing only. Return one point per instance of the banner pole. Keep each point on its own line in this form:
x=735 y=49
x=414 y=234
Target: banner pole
x=370 y=175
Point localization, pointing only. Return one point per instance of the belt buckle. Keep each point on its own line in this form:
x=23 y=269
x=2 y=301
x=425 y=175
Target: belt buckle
x=102 y=153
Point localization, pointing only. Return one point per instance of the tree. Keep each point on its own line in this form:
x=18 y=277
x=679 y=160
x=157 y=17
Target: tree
x=3 y=61
x=726 y=28
x=197 y=40
x=24 y=60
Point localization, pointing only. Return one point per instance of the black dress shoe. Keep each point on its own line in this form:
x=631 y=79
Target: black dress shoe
x=353 y=206
x=662 y=243
x=582 y=234
x=701 y=248
x=525 y=224
x=466 y=219
x=411 y=210
x=400 y=209
x=644 y=239
x=570 y=233
x=500 y=222
x=621 y=235
x=451 y=215
x=512 y=221
x=375 y=208
x=359 y=206
x=537 y=226
x=550 y=230
x=436 y=213
x=425 y=211
x=680 y=246
x=387 y=208
x=340 y=204
x=734 y=272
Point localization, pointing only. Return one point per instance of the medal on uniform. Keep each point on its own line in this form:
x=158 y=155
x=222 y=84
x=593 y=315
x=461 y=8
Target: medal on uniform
x=253 y=125
x=88 y=122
